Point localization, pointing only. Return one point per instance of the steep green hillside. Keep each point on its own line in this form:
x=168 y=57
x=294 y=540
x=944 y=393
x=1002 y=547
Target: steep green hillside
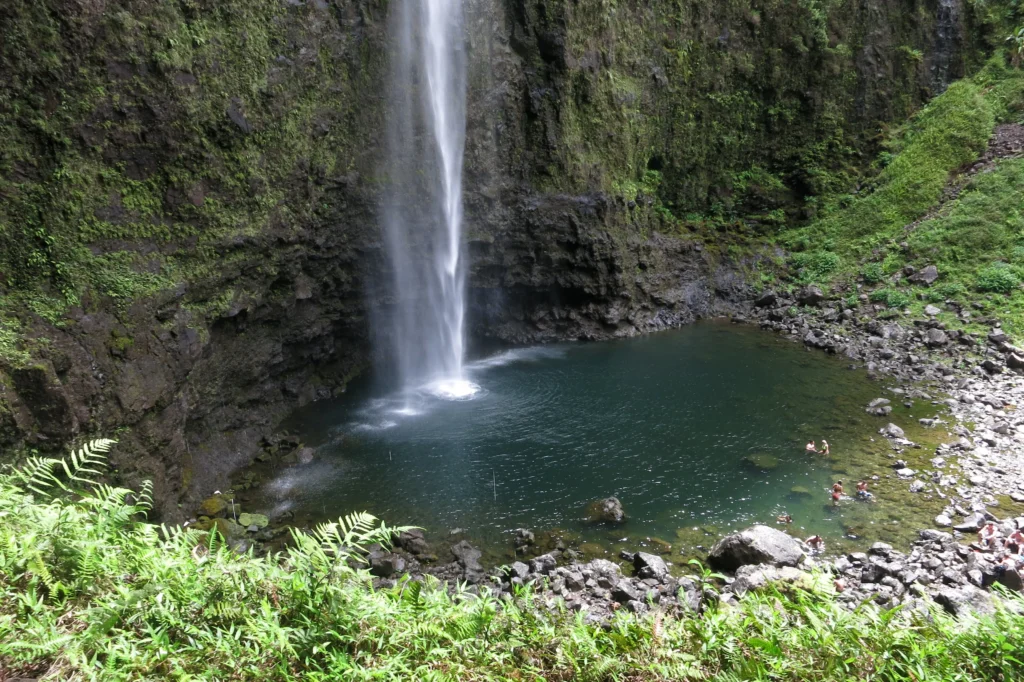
x=942 y=198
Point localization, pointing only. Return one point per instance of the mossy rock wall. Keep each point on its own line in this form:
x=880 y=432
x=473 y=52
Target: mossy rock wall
x=189 y=188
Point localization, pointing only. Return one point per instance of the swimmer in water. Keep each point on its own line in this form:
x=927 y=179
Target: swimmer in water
x=811 y=447
x=824 y=447
x=816 y=543
x=862 y=491
x=784 y=518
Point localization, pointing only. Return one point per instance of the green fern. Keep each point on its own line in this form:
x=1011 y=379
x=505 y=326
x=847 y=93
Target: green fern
x=39 y=474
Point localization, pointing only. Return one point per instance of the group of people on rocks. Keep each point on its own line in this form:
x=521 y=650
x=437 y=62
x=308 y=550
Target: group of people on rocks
x=1009 y=551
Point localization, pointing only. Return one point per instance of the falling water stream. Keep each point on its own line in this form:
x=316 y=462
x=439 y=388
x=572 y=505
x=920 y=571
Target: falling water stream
x=423 y=210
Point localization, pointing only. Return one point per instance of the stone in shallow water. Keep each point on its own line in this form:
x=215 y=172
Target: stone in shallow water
x=762 y=462
x=608 y=510
x=799 y=491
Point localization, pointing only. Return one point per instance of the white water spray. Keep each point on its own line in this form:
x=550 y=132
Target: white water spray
x=423 y=215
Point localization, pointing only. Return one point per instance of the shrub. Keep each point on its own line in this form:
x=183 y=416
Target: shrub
x=815 y=265
x=998 y=278
x=893 y=298
x=942 y=292
x=872 y=273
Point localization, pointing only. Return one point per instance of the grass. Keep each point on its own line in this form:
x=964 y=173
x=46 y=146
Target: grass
x=90 y=591
x=976 y=240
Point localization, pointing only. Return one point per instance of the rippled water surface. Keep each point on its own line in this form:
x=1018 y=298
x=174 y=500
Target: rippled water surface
x=665 y=422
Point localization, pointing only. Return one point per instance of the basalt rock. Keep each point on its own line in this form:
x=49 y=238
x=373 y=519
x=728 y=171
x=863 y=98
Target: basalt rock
x=608 y=510
x=755 y=545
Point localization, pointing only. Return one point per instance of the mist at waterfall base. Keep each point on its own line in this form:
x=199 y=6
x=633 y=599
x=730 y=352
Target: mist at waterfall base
x=668 y=423
x=423 y=324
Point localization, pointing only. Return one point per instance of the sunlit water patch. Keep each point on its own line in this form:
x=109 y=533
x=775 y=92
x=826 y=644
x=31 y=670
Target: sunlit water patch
x=696 y=431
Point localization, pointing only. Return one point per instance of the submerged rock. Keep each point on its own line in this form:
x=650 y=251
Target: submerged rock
x=761 y=462
x=755 y=545
x=608 y=510
x=799 y=491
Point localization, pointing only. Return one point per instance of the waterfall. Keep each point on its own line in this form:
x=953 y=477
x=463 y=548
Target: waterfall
x=423 y=205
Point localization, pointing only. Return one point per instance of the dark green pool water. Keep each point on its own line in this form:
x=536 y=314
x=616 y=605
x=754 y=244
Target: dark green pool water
x=664 y=422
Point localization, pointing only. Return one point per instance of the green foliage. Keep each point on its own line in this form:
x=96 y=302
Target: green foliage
x=892 y=298
x=946 y=291
x=997 y=278
x=815 y=266
x=872 y=273
x=90 y=591
x=984 y=224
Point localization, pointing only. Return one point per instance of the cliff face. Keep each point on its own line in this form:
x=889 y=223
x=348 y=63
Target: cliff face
x=189 y=244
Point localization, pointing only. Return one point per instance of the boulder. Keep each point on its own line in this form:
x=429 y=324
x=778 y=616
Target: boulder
x=518 y=570
x=931 y=311
x=258 y=520
x=935 y=338
x=228 y=529
x=972 y=524
x=650 y=566
x=925 y=276
x=608 y=510
x=413 y=541
x=810 y=296
x=965 y=600
x=766 y=299
x=213 y=506
x=544 y=563
x=469 y=557
x=1014 y=361
x=755 y=545
x=892 y=431
x=752 y=578
x=624 y=591
x=385 y=564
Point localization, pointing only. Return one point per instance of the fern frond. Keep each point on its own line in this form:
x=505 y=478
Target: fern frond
x=90 y=459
